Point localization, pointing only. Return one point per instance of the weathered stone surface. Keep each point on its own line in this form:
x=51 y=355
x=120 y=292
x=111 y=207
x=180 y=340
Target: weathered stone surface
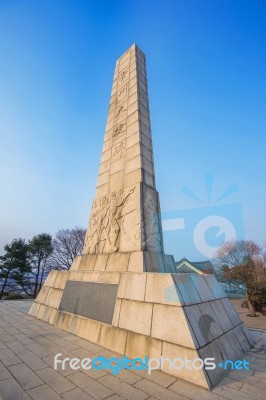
x=53 y=297
x=101 y=261
x=186 y=288
x=75 y=264
x=222 y=315
x=117 y=309
x=136 y=262
x=234 y=317
x=161 y=289
x=75 y=275
x=109 y=277
x=154 y=262
x=215 y=350
x=113 y=338
x=231 y=346
x=43 y=293
x=91 y=276
x=34 y=309
x=169 y=263
x=136 y=316
x=172 y=351
x=87 y=262
x=71 y=323
x=244 y=337
x=174 y=328
x=199 y=325
x=89 y=330
x=132 y=286
x=50 y=280
x=214 y=286
x=118 y=262
x=61 y=279
x=141 y=346
x=44 y=313
x=202 y=288
x=212 y=321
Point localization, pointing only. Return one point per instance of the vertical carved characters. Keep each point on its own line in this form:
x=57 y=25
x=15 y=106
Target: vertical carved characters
x=123 y=76
x=122 y=93
x=118 y=150
x=152 y=221
x=112 y=215
x=119 y=129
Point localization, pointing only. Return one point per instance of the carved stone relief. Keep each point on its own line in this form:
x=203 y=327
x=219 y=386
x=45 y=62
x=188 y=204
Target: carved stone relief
x=118 y=149
x=122 y=93
x=120 y=128
x=113 y=216
x=120 y=111
x=123 y=76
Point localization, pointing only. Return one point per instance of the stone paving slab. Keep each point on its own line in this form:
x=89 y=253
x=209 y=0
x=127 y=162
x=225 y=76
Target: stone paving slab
x=28 y=345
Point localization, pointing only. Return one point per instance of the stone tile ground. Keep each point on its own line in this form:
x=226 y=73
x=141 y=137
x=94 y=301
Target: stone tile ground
x=27 y=347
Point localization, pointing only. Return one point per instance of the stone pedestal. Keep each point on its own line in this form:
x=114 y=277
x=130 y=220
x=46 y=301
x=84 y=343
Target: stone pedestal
x=147 y=314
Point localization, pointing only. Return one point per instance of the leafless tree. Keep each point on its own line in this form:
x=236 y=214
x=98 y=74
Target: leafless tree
x=245 y=262
x=67 y=244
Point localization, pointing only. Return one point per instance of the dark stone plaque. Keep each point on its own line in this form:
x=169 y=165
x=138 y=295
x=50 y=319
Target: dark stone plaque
x=90 y=299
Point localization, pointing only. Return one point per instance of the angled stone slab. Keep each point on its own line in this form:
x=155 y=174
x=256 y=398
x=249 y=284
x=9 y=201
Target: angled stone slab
x=132 y=286
x=199 y=325
x=202 y=288
x=160 y=288
x=136 y=316
x=211 y=319
x=244 y=337
x=231 y=312
x=231 y=346
x=186 y=288
x=172 y=351
x=175 y=328
x=215 y=350
x=222 y=315
x=214 y=286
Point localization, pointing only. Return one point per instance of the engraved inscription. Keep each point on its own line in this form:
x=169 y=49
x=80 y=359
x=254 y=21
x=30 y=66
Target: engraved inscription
x=120 y=111
x=122 y=93
x=119 y=129
x=123 y=76
x=118 y=149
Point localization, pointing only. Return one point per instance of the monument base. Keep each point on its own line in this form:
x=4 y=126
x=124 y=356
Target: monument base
x=135 y=261
x=139 y=314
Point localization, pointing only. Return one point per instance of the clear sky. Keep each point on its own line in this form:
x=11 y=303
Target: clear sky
x=206 y=63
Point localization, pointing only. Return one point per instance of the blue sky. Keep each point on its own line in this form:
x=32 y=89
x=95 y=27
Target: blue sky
x=206 y=75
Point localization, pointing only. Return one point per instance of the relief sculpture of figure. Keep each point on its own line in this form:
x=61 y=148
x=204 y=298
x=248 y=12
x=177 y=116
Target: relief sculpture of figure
x=104 y=226
x=93 y=240
x=117 y=200
x=92 y=237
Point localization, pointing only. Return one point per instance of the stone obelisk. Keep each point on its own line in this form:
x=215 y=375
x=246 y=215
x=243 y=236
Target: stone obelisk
x=123 y=292
x=125 y=214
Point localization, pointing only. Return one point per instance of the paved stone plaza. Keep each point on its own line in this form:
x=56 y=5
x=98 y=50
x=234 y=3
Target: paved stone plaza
x=26 y=367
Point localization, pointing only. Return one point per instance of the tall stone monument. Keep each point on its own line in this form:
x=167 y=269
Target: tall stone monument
x=123 y=293
x=125 y=217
